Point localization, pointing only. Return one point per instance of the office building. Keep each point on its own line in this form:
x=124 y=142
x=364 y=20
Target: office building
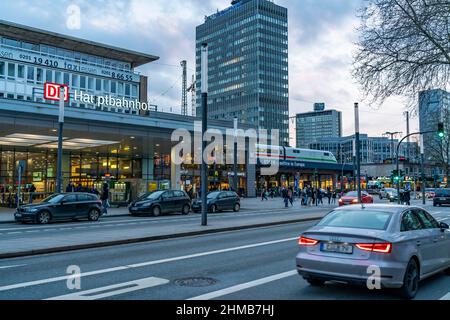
x=248 y=65
x=319 y=124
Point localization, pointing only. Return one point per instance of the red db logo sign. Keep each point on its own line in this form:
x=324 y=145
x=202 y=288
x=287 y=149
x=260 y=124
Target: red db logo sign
x=52 y=91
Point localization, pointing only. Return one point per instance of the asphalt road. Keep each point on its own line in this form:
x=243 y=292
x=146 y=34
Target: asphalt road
x=252 y=264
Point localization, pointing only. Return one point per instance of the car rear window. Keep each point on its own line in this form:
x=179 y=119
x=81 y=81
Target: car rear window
x=443 y=193
x=357 y=219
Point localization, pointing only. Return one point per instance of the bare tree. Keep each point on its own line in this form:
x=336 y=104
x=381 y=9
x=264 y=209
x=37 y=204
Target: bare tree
x=404 y=48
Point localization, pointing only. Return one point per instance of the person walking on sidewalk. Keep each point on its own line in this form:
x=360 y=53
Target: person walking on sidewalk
x=284 y=195
x=264 y=195
x=333 y=197
x=105 y=198
x=329 y=195
x=291 y=197
x=319 y=197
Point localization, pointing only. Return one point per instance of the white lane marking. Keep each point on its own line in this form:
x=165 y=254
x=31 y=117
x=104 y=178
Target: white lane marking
x=446 y=297
x=244 y=286
x=9 y=267
x=139 y=265
x=197 y=255
x=113 y=290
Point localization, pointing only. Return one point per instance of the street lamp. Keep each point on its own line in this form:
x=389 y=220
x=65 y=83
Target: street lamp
x=59 y=175
x=204 y=91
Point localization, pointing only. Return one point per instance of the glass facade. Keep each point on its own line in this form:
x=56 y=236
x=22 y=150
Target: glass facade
x=248 y=65
x=316 y=125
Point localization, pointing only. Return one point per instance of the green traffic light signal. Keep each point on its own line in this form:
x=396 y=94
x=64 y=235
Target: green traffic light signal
x=441 y=130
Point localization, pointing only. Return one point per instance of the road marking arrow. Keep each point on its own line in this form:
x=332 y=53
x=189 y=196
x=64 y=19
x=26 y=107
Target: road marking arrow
x=113 y=290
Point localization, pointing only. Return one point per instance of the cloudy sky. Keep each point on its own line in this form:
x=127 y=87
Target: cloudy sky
x=321 y=45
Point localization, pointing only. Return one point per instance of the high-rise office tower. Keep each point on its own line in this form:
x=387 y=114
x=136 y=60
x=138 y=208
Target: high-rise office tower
x=248 y=64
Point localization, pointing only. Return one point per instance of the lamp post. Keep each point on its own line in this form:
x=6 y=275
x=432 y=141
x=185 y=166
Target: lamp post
x=358 y=153
x=235 y=178
x=59 y=176
x=204 y=90
x=422 y=168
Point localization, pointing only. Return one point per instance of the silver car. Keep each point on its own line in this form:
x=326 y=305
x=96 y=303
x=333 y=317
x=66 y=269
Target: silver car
x=387 y=193
x=406 y=244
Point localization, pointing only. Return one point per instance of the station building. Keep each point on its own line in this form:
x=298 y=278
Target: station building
x=111 y=133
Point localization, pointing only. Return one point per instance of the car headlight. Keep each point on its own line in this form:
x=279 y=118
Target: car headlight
x=30 y=210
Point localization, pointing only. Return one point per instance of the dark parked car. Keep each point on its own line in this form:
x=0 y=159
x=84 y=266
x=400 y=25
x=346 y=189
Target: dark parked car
x=220 y=201
x=442 y=196
x=161 y=202
x=68 y=206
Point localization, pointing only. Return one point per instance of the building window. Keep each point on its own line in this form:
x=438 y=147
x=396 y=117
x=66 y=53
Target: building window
x=11 y=70
x=83 y=82
x=91 y=83
x=2 y=69
x=98 y=84
x=49 y=76
x=30 y=74
x=58 y=77
x=39 y=75
x=21 y=71
x=113 y=86
x=66 y=78
x=75 y=80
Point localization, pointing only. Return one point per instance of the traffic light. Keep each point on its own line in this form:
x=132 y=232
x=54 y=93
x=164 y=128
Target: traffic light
x=441 y=130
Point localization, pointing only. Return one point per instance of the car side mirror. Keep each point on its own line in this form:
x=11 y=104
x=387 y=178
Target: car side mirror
x=444 y=226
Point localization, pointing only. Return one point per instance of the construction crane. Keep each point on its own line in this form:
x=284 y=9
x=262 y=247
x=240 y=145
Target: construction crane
x=191 y=89
x=184 y=110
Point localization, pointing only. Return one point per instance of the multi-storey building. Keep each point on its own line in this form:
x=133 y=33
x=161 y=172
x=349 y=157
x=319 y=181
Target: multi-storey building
x=248 y=64
x=320 y=123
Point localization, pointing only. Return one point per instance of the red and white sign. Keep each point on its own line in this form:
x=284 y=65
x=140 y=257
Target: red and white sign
x=52 y=91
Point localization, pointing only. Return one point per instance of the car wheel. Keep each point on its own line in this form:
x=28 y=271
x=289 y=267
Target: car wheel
x=237 y=207
x=44 y=217
x=411 y=281
x=156 y=211
x=94 y=215
x=186 y=209
x=315 y=282
x=213 y=208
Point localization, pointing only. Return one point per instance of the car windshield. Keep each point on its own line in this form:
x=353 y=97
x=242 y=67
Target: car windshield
x=56 y=198
x=352 y=194
x=151 y=196
x=213 y=195
x=357 y=219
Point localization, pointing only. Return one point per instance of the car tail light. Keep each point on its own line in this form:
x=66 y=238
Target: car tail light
x=303 y=241
x=375 y=247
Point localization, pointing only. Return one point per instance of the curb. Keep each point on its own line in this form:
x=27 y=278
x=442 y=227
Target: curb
x=103 y=217
x=148 y=239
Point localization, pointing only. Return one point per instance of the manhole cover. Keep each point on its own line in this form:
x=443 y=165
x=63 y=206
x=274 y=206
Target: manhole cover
x=195 y=282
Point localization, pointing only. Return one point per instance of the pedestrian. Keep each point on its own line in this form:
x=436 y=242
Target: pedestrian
x=313 y=196
x=407 y=197
x=264 y=195
x=319 y=197
x=105 y=198
x=329 y=195
x=284 y=195
x=70 y=188
x=32 y=191
x=334 y=196
x=95 y=191
x=79 y=188
x=291 y=197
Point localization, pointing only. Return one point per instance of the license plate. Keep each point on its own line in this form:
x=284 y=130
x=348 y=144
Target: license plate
x=336 y=247
x=18 y=215
x=443 y=199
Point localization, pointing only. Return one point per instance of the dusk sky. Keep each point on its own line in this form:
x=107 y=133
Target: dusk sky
x=321 y=37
